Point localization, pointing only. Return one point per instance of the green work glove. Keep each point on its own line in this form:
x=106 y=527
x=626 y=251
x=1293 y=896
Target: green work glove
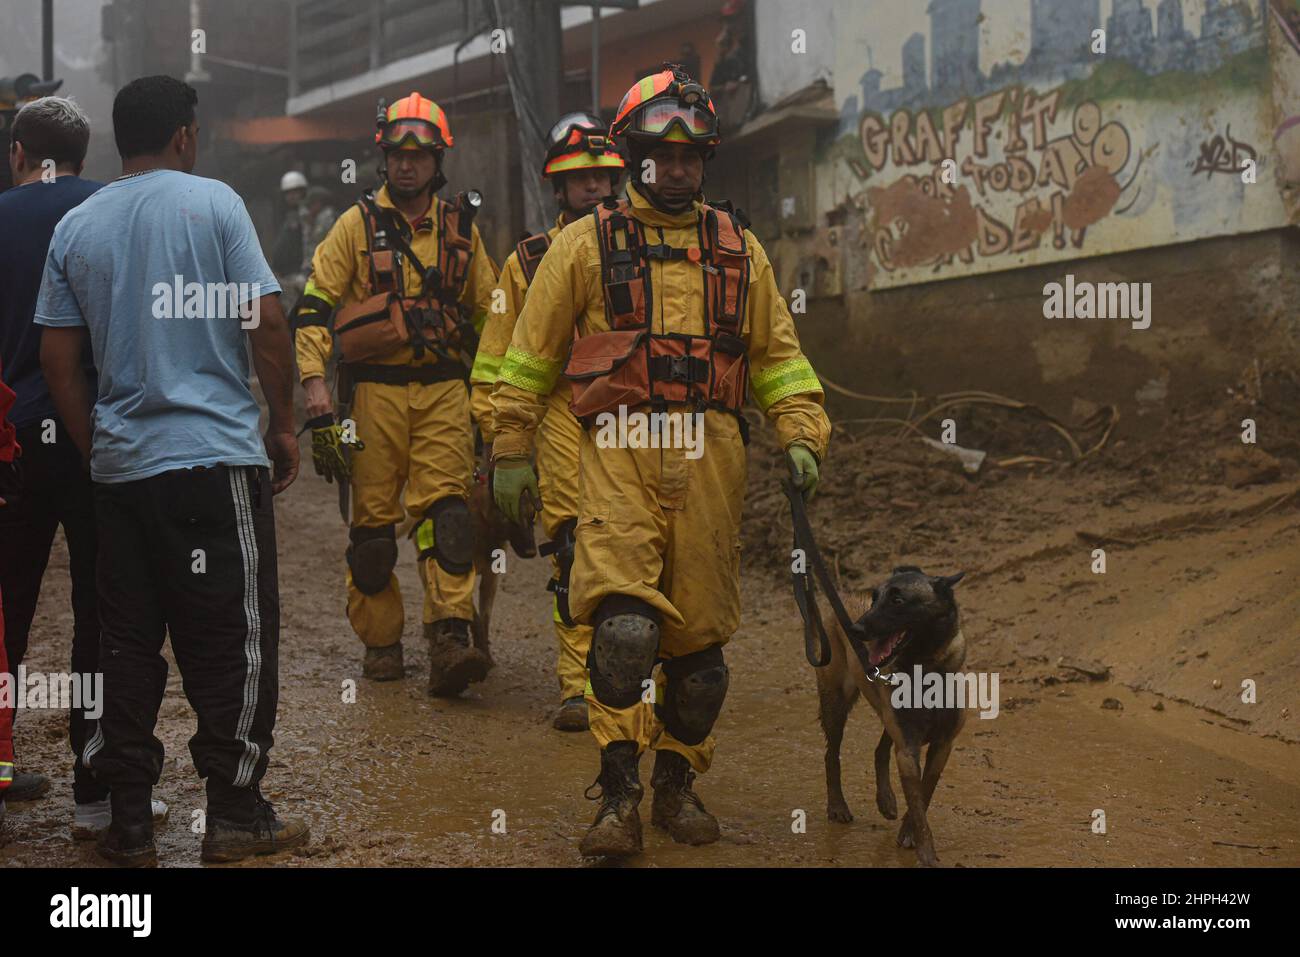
x=805 y=474
x=327 y=448
x=510 y=479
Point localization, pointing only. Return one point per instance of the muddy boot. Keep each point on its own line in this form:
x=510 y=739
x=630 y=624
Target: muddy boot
x=128 y=840
x=453 y=661
x=383 y=664
x=262 y=832
x=676 y=808
x=571 y=715
x=616 y=832
x=28 y=786
x=128 y=846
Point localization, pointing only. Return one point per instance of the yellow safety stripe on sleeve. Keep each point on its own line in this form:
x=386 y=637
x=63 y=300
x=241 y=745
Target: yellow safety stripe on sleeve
x=785 y=378
x=555 y=610
x=311 y=289
x=523 y=370
x=486 y=367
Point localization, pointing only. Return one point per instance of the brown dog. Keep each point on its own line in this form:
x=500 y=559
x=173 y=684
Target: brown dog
x=913 y=620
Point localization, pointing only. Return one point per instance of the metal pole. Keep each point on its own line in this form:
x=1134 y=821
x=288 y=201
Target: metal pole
x=47 y=39
x=595 y=60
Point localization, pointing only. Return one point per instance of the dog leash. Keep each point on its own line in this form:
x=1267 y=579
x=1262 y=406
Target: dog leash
x=817 y=646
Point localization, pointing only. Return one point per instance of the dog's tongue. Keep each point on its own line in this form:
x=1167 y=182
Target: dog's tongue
x=883 y=649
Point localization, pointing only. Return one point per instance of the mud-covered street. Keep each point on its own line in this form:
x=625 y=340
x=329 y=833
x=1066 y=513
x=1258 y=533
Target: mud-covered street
x=1201 y=591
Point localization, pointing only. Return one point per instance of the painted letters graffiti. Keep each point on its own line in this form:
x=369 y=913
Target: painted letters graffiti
x=1051 y=184
x=979 y=136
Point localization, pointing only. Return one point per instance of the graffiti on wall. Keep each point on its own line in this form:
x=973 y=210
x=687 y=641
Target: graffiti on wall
x=1037 y=130
x=1225 y=154
x=1052 y=187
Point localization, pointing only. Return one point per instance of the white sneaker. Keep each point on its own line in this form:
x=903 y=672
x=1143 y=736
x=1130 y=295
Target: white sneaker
x=91 y=819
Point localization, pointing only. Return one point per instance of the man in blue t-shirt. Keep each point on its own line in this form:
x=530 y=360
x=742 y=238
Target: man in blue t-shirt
x=47 y=147
x=162 y=272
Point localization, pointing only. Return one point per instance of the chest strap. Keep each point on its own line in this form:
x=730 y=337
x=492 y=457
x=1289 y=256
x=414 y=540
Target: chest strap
x=530 y=251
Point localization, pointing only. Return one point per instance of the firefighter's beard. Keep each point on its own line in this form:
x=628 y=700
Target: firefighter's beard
x=662 y=203
x=400 y=193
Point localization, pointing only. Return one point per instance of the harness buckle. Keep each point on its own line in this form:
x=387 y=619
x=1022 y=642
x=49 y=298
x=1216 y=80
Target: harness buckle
x=679 y=369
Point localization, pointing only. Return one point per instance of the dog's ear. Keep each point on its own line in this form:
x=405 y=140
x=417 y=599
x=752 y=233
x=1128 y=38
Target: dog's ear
x=947 y=581
x=901 y=569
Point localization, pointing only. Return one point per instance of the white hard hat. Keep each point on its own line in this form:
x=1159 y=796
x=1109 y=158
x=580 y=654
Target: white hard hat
x=292 y=180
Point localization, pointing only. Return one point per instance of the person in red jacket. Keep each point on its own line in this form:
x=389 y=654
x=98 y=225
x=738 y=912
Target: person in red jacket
x=9 y=485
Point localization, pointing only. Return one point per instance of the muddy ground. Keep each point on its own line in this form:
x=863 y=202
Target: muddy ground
x=1201 y=591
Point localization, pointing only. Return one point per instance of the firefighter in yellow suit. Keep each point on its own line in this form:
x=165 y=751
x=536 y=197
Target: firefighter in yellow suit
x=414 y=451
x=666 y=304
x=583 y=170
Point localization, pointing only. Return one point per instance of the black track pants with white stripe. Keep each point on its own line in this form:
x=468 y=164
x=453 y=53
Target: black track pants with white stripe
x=190 y=552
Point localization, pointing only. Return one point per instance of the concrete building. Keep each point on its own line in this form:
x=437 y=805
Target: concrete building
x=343 y=58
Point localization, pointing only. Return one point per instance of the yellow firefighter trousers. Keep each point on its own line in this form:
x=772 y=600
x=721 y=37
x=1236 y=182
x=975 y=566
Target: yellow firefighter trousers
x=664 y=527
x=557 y=480
x=417 y=436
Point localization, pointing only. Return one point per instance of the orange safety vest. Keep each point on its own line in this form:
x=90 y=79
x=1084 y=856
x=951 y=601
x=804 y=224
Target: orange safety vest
x=632 y=366
x=388 y=317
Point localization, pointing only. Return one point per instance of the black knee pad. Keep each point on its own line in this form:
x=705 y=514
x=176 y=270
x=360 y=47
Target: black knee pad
x=453 y=535
x=624 y=645
x=372 y=557
x=697 y=685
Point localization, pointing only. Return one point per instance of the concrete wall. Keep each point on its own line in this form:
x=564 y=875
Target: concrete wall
x=1032 y=142
x=782 y=71
x=1219 y=304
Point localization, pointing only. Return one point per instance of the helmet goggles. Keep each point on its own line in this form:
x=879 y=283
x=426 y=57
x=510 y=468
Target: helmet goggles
x=664 y=117
x=410 y=132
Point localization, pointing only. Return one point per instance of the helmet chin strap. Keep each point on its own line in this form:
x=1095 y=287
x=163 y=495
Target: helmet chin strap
x=654 y=200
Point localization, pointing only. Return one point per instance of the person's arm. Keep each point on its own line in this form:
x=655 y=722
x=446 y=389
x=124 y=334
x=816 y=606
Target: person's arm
x=494 y=342
x=332 y=268
x=273 y=360
x=272 y=347
x=781 y=379
x=63 y=341
x=535 y=358
x=61 y=351
x=481 y=282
